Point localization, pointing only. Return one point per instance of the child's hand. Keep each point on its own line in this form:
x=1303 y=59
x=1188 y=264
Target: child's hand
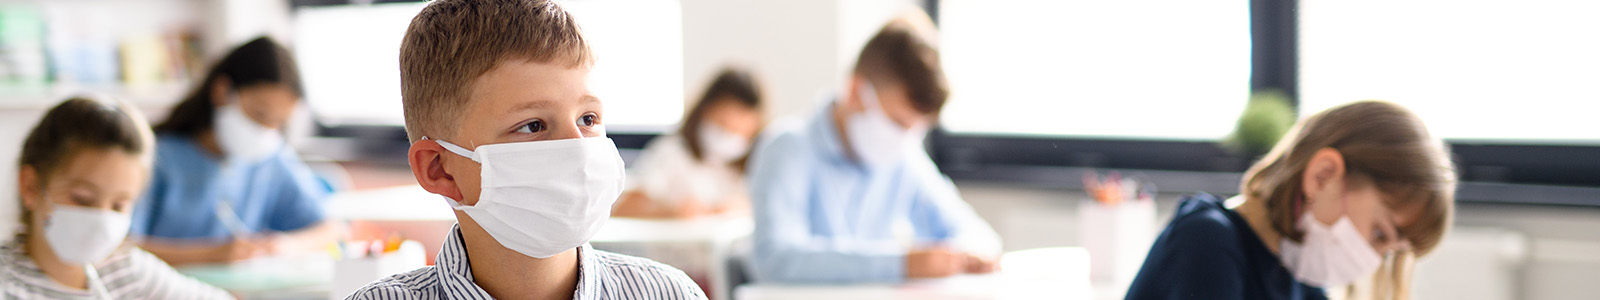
x=981 y=265
x=934 y=263
x=689 y=208
x=239 y=249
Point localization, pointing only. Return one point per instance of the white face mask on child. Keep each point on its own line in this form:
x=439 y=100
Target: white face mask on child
x=877 y=139
x=81 y=235
x=241 y=138
x=1329 y=256
x=545 y=197
x=720 y=146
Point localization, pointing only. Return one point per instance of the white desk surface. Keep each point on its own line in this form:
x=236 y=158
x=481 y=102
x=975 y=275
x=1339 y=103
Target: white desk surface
x=1046 y=273
x=303 y=277
x=708 y=229
x=401 y=203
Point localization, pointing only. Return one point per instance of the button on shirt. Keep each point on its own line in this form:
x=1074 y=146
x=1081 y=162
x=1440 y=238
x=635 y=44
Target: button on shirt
x=822 y=217
x=601 y=275
x=279 y=193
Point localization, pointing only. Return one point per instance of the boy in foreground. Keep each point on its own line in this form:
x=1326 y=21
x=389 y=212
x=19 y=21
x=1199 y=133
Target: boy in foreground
x=503 y=125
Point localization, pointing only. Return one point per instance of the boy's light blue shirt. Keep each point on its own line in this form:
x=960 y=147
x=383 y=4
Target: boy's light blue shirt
x=279 y=193
x=822 y=217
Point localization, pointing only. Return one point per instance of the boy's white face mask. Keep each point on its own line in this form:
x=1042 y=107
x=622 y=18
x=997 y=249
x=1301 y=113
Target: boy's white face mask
x=1329 y=255
x=241 y=138
x=875 y=138
x=542 y=198
x=82 y=235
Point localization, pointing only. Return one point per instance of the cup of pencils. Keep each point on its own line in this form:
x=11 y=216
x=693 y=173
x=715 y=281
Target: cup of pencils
x=1116 y=224
x=362 y=261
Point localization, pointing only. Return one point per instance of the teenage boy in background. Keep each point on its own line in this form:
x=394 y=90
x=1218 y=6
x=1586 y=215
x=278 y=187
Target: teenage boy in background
x=827 y=193
x=503 y=125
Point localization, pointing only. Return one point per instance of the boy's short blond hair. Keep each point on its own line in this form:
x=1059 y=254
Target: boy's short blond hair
x=453 y=42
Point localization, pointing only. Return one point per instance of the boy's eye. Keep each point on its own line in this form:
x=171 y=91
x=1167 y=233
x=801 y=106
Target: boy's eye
x=588 y=120
x=532 y=127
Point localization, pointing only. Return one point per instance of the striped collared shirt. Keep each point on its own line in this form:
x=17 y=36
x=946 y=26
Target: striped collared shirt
x=128 y=273
x=601 y=275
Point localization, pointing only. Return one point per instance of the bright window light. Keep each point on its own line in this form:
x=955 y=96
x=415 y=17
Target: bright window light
x=1159 y=69
x=639 y=66
x=349 y=57
x=1493 y=71
x=349 y=60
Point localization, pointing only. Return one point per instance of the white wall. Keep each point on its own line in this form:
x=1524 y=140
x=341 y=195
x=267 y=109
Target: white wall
x=233 y=22
x=800 y=49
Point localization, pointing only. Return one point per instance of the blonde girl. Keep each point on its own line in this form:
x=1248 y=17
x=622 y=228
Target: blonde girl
x=1351 y=195
x=81 y=171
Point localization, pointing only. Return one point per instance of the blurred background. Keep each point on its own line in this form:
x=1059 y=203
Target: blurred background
x=1182 y=94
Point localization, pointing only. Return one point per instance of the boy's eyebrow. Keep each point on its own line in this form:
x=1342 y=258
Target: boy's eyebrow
x=530 y=105
x=544 y=104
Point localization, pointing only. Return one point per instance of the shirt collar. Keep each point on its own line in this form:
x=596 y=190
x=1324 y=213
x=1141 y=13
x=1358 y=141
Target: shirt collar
x=455 y=273
x=825 y=135
x=588 y=274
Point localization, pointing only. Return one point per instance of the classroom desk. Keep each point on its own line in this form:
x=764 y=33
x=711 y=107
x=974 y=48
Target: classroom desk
x=699 y=247
x=370 y=214
x=407 y=210
x=1045 y=273
x=308 y=277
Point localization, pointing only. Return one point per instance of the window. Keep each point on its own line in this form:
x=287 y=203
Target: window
x=1163 y=69
x=349 y=57
x=639 y=66
x=1496 y=71
x=349 y=60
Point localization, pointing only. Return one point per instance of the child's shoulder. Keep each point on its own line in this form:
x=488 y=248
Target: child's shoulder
x=614 y=260
x=416 y=284
x=1202 y=220
x=784 y=130
x=626 y=273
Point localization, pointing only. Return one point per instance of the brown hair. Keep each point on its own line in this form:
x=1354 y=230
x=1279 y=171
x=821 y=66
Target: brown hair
x=452 y=42
x=732 y=84
x=1379 y=140
x=260 y=61
x=905 y=51
x=82 y=123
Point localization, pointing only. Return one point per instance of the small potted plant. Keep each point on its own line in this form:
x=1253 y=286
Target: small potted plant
x=1265 y=119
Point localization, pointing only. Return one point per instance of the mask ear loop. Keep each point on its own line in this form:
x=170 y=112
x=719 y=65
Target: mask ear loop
x=458 y=150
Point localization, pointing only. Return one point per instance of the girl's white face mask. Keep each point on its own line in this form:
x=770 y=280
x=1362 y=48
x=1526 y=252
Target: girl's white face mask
x=720 y=146
x=1329 y=256
x=875 y=138
x=542 y=198
x=241 y=138
x=82 y=235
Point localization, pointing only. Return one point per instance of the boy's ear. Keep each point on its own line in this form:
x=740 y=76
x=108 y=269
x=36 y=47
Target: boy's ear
x=28 y=186
x=1324 y=171
x=427 y=166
